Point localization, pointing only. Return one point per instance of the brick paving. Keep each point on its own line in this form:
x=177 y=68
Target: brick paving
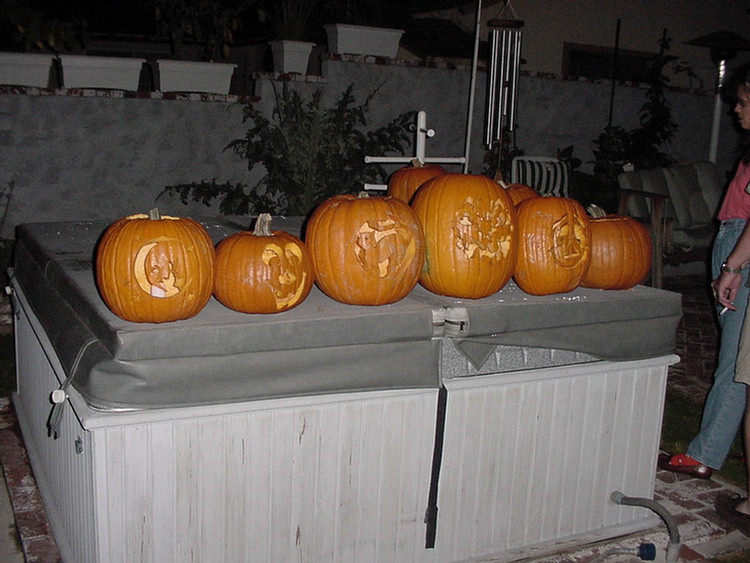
x=704 y=535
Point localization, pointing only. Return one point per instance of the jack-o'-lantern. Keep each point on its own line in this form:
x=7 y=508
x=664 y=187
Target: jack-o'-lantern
x=554 y=248
x=620 y=252
x=365 y=250
x=262 y=271
x=469 y=224
x=405 y=181
x=152 y=268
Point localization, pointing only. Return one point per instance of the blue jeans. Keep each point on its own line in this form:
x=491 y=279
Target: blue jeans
x=725 y=403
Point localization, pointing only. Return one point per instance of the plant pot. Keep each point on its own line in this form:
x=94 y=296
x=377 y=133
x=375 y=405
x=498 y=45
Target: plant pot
x=363 y=40
x=193 y=76
x=291 y=56
x=116 y=73
x=25 y=69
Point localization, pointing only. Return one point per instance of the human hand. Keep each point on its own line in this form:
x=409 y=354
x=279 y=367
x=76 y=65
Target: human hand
x=725 y=289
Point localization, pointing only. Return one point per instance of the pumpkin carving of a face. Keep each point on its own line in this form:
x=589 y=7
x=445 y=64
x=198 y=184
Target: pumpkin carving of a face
x=262 y=271
x=470 y=235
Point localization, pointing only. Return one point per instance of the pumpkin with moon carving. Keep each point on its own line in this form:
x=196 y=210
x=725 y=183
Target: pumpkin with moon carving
x=152 y=268
x=262 y=271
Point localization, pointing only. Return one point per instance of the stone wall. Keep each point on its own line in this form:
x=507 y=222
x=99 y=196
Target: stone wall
x=78 y=155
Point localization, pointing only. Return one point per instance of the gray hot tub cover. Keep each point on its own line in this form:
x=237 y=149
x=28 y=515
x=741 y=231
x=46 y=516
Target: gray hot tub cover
x=319 y=347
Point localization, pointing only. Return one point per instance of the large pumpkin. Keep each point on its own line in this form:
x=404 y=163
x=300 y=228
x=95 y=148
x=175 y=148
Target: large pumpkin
x=405 y=181
x=620 y=253
x=155 y=269
x=520 y=192
x=554 y=248
x=365 y=250
x=469 y=224
x=262 y=271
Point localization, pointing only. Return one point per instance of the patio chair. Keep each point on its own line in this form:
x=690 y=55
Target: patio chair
x=545 y=174
x=679 y=204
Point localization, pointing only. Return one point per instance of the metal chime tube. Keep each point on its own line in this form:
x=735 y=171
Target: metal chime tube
x=513 y=86
x=502 y=91
x=491 y=87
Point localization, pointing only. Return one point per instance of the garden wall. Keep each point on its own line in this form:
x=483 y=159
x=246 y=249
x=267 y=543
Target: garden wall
x=79 y=155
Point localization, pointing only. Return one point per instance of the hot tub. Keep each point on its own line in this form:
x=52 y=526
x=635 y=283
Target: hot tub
x=430 y=430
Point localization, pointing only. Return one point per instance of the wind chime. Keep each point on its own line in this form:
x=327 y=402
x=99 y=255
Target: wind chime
x=502 y=79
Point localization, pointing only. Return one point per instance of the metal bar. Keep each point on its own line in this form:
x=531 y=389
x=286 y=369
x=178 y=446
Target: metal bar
x=501 y=88
x=491 y=89
x=408 y=159
x=513 y=106
x=472 y=88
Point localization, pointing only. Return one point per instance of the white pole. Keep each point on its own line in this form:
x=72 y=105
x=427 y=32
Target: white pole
x=472 y=87
x=714 y=146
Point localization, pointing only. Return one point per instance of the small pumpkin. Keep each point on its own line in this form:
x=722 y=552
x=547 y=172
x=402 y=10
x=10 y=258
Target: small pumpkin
x=620 y=253
x=520 y=192
x=262 y=271
x=470 y=226
x=365 y=250
x=554 y=251
x=405 y=181
x=152 y=268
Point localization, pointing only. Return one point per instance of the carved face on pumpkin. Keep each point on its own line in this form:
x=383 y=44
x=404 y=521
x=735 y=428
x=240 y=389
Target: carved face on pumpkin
x=287 y=275
x=384 y=249
x=486 y=232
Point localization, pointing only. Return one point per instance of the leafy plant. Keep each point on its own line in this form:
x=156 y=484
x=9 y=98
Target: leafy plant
x=211 y=23
x=641 y=146
x=27 y=26
x=309 y=153
x=289 y=19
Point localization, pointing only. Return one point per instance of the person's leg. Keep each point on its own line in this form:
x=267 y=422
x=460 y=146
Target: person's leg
x=725 y=403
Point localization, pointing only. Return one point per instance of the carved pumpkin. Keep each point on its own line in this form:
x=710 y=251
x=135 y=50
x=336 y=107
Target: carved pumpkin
x=620 y=253
x=405 y=181
x=262 y=271
x=155 y=269
x=470 y=227
x=555 y=245
x=520 y=192
x=365 y=250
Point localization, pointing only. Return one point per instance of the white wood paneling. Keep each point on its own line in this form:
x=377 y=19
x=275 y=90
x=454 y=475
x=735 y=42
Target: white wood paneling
x=534 y=456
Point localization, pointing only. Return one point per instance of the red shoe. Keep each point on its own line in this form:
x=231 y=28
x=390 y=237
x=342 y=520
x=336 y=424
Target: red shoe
x=683 y=463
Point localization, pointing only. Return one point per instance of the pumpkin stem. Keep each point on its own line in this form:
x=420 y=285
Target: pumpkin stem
x=417 y=163
x=154 y=214
x=363 y=195
x=596 y=211
x=263 y=225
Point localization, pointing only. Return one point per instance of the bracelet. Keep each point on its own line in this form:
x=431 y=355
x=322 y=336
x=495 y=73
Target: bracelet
x=725 y=268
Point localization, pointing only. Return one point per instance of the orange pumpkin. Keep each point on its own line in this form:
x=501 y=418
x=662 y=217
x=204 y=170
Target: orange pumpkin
x=405 y=181
x=155 y=269
x=555 y=245
x=365 y=250
x=469 y=223
x=262 y=271
x=620 y=253
x=520 y=192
